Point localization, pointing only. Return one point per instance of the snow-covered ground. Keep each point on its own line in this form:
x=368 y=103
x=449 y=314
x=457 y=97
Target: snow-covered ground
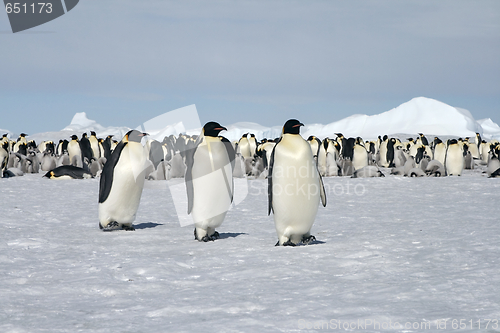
x=389 y=251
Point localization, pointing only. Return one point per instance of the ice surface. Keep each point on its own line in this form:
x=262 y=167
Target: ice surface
x=406 y=250
x=491 y=130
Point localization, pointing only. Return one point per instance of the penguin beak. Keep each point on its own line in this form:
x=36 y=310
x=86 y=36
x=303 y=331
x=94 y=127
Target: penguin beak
x=220 y=128
x=143 y=134
x=298 y=125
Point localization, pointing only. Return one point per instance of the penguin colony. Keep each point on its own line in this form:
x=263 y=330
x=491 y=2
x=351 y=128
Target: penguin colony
x=209 y=162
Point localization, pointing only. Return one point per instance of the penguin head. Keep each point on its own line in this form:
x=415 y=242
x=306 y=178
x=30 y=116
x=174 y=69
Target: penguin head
x=84 y=135
x=292 y=126
x=74 y=137
x=213 y=129
x=134 y=136
x=92 y=133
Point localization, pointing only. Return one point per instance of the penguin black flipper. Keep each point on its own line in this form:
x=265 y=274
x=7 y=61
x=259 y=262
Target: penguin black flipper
x=107 y=172
x=322 y=192
x=230 y=151
x=270 y=181
x=189 y=176
x=231 y=154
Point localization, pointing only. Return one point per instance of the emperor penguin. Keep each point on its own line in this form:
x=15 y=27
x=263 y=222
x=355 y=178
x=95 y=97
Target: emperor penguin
x=94 y=144
x=75 y=153
x=244 y=146
x=455 y=161
x=86 y=148
x=252 y=141
x=383 y=152
x=68 y=172
x=209 y=181
x=294 y=187
x=359 y=157
x=121 y=183
x=493 y=169
x=439 y=150
x=315 y=143
x=4 y=158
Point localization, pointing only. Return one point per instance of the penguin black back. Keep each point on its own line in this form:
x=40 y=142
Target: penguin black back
x=107 y=172
x=85 y=147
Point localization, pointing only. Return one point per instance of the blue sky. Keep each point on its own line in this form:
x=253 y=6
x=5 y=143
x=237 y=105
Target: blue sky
x=124 y=62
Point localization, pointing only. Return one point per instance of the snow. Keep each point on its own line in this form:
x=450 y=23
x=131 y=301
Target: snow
x=405 y=250
x=491 y=130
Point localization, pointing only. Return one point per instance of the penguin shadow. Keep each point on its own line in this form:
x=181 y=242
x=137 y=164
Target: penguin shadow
x=223 y=235
x=146 y=225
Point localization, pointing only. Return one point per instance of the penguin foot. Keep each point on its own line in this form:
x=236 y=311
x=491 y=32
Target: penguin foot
x=288 y=243
x=127 y=228
x=206 y=239
x=111 y=226
x=307 y=240
x=215 y=236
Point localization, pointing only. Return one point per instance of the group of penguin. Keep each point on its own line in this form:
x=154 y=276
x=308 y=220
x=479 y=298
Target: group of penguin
x=413 y=157
x=209 y=162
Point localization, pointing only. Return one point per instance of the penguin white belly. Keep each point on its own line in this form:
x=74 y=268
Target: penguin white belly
x=128 y=182
x=296 y=189
x=383 y=155
x=212 y=184
x=455 y=161
x=440 y=153
x=360 y=157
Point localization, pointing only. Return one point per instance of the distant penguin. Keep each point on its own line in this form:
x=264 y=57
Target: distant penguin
x=239 y=166
x=468 y=159
x=252 y=141
x=106 y=146
x=121 y=184
x=34 y=163
x=423 y=139
x=209 y=181
x=4 y=158
x=177 y=166
x=94 y=145
x=359 y=157
x=244 y=147
x=86 y=148
x=156 y=154
x=315 y=143
x=390 y=155
x=95 y=167
x=323 y=150
x=332 y=167
x=48 y=162
x=68 y=172
x=439 y=151
x=410 y=164
x=63 y=159
x=383 y=152
x=291 y=169
x=454 y=162
x=367 y=172
x=416 y=172
x=435 y=169
x=75 y=153
x=398 y=171
x=493 y=169
x=12 y=172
